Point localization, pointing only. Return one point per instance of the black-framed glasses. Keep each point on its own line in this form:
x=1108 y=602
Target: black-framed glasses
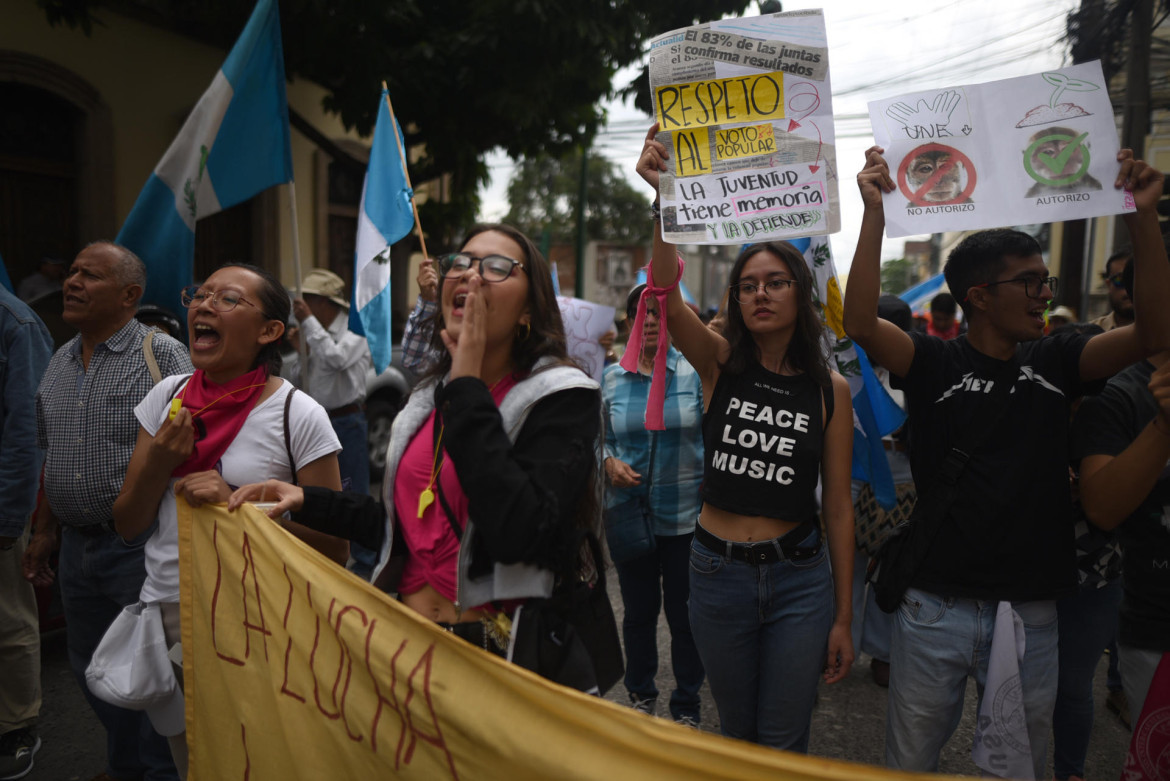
x=1116 y=280
x=221 y=300
x=493 y=268
x=1033 y=286
x=774 y=289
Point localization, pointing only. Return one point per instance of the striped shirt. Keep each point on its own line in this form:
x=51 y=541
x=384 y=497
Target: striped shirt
x=86 y=423
x=670 y=461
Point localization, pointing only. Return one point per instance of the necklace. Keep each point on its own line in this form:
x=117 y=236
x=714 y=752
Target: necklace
x=177 y=402
x=427 y=497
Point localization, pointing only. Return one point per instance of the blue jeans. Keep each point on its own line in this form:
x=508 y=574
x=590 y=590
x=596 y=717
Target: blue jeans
x=649 y=582
x=762 y=633
x=99 y=576
x=1088 y=622
x=354 y=460
x=938 y=642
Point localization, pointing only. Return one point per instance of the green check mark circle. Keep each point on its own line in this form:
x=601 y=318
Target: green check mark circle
x=1052 y=166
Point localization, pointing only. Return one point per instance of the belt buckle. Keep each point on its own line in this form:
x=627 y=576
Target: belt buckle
x=757 y=552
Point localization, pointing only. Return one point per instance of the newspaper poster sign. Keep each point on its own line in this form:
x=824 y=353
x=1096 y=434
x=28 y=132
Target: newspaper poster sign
x=1039 y=148
x=745 y=108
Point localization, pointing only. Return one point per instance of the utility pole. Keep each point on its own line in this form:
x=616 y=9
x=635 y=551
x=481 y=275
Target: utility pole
x=1135 y=118
x=582 y=240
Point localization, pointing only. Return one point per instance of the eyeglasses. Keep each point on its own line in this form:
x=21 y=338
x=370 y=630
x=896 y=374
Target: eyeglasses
x=1033 y=286
x=493 y=268
x=774 y=289
x=1116 y=280
x=221 y=301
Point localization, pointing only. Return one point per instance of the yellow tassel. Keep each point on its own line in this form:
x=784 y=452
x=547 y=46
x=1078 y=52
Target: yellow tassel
x=498 y=628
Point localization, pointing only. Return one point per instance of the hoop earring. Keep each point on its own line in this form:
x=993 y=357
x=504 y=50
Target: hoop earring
x=527 y=333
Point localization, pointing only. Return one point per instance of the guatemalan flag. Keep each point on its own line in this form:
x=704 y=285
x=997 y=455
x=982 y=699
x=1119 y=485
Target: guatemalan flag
x=234 y=144
x=385 y=216
x=875 y=414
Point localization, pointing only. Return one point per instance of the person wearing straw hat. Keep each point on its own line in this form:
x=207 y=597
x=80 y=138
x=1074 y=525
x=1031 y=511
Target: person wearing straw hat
x=336 y=372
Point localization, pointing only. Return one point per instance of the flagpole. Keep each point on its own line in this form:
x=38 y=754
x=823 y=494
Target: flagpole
x=405 y=171
x=302 y=348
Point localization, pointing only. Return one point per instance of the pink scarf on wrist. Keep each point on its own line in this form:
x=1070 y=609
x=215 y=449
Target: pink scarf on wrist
x=629 y=362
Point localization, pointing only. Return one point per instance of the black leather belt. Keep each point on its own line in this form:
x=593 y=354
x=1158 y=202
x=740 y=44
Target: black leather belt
x=348 y=409
x=765 y=552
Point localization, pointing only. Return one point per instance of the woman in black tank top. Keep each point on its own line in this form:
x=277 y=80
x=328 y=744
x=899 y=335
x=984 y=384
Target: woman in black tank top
x=770 y=616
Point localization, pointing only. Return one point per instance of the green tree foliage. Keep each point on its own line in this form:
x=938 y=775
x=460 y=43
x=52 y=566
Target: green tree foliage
x=544 y=191
x=527 y=76
x=898 y=275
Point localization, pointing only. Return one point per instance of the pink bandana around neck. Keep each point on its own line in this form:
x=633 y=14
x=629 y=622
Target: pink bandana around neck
x=629 y=362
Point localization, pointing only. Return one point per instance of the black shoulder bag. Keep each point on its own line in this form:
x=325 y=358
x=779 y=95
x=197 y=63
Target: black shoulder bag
x=907 y=545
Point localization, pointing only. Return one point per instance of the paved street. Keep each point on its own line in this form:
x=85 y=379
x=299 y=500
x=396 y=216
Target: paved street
x=848 y=723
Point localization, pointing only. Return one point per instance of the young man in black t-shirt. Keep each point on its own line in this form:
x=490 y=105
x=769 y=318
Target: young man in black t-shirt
x=1007 y=536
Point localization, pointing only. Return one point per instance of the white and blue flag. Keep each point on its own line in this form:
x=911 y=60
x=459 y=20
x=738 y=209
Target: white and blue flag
x=385 y=216
x=234 y=144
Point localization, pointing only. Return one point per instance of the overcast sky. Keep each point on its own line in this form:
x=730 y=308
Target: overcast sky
x=873 y=54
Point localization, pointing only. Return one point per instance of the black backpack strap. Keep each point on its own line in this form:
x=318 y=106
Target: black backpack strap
x=292 y=462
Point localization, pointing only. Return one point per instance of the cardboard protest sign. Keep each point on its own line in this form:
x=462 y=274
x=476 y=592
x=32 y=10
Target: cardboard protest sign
x=745 y=108
x=296 y=669
x=1038 y=148
x=585 y=323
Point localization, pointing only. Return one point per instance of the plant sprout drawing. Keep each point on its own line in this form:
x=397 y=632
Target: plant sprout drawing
x=1065 y=84
x=1056 y=111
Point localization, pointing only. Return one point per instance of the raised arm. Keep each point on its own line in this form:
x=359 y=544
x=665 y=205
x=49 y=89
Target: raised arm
x=702 y=348
x=885 y=342
x=149 y=473
x=1106 y=354
x=1114 y=486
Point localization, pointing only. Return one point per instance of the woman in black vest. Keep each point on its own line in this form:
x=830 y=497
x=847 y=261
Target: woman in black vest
x=769 y=615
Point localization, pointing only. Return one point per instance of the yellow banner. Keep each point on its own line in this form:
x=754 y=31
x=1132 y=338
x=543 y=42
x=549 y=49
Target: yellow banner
x=296 y=669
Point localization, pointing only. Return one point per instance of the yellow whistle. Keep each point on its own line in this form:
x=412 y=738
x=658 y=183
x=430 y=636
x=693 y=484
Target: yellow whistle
x=176 y=405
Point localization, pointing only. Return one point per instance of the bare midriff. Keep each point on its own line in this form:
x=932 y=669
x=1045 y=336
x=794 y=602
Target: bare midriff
x=742 y=528
x=431 y=604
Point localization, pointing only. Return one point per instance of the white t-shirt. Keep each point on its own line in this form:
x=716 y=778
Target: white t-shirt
x=257 y=453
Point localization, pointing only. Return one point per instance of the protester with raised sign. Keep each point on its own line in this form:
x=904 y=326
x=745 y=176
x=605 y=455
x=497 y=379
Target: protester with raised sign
x=233 y=421
x=491 y=471
x=769 y=614
x=1003 y=533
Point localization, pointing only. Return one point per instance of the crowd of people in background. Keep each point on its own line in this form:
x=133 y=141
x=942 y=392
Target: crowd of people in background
x=716 y=457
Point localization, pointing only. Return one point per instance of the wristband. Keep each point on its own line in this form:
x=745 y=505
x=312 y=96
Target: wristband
x=655 y=212
x=657 y=396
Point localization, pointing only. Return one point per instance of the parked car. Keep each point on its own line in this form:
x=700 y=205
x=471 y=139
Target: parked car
x=385 y=395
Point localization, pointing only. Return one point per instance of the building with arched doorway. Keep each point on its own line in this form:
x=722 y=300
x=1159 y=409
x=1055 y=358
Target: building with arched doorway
x=84 y=119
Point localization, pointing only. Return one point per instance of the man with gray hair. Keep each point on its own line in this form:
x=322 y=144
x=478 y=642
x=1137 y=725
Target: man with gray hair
x=86 y=426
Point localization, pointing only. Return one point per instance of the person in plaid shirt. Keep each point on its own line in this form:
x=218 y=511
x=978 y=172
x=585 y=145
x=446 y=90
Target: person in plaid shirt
x=86 y=425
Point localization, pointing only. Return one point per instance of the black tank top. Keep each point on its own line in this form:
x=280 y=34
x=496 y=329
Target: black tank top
x=763 y=438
